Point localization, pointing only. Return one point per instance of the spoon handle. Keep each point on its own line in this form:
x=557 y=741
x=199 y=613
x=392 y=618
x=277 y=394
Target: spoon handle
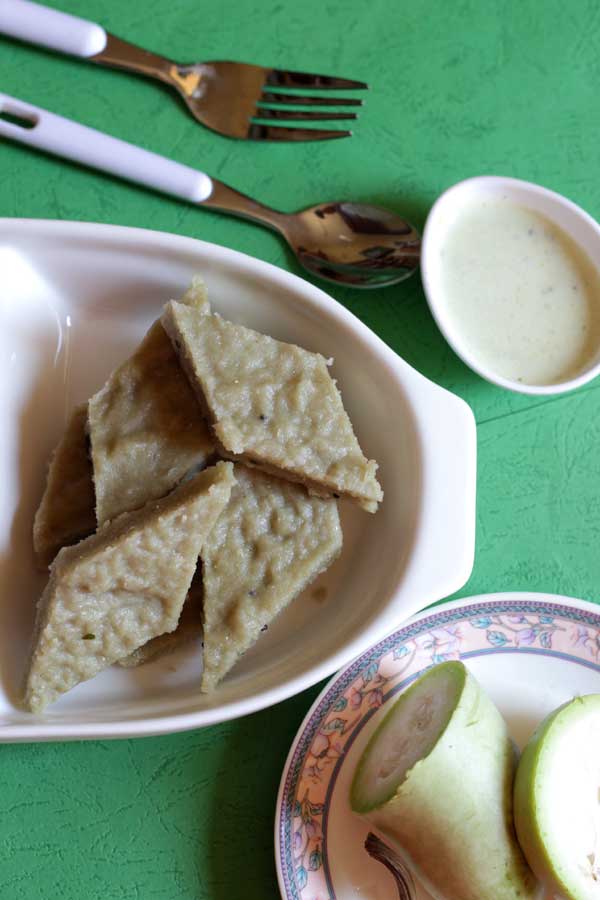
x=62 y=137
x=384 y=854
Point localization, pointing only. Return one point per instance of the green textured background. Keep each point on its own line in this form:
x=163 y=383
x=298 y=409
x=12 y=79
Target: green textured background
x=457 y=89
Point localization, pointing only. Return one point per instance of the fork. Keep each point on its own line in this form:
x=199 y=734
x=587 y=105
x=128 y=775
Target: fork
x=227 y=97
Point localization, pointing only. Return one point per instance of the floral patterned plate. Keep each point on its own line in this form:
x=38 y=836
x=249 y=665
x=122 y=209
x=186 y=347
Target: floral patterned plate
x=531 y=652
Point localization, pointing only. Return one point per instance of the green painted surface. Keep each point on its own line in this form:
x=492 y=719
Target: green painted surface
x=458 y=89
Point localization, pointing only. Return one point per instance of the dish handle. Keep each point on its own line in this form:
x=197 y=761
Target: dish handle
x=443 y=552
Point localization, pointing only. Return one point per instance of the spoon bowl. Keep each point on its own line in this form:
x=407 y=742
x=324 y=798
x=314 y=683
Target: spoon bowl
x=354 y=244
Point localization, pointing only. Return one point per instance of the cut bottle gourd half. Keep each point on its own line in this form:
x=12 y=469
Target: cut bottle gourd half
x=557 y=800
x=422 y=716
x=436 y=778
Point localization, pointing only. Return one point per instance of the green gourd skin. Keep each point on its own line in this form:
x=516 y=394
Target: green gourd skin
x=539 y=820
x=450 y=815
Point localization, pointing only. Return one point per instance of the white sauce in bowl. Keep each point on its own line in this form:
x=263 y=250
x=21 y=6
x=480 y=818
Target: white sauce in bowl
x=522 y=295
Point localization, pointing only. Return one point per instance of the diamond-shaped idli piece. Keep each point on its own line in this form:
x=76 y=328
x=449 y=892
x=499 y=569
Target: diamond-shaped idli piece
x=122 y=586
x=271 y=540
x=189 y=628
x=66 y=512
x=145 y=427
x=272 y=405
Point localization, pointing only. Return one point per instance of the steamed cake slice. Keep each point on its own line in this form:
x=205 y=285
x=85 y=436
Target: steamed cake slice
x=272 y=405
x=269 y=542
x=66 y=512
x=122 y=586
x=196 y=296
x=189 y=628
x=145 y=427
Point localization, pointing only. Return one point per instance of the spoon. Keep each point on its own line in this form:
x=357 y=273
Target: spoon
x=351 y=244
x=384 y=854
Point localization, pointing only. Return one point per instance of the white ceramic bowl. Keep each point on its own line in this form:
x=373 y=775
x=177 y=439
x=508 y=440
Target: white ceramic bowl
x=582 y=228
x=75 y=299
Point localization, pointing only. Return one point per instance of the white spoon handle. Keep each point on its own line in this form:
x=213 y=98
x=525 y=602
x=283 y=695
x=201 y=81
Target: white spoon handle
x=63 y=137
x=60 y=31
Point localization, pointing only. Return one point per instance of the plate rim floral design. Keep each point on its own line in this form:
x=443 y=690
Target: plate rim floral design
x=365 y=684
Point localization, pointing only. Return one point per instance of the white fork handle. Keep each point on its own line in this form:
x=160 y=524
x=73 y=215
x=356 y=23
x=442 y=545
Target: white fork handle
x=60 y=31
x=63 y=137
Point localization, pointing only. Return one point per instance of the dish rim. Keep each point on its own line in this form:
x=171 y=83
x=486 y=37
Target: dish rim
x=499 y=597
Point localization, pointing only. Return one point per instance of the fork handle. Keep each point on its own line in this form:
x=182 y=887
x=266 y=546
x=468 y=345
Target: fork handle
x=50 y=28
x=43 y=130
x=37 y=24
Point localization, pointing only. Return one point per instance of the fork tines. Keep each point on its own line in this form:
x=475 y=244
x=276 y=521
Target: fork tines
x=283 y=78
x=272 y=103
x=304 y=100
x=258 y=132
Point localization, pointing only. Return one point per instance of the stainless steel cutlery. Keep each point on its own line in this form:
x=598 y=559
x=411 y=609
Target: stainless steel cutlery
x=236 y=99
x=353 y=244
